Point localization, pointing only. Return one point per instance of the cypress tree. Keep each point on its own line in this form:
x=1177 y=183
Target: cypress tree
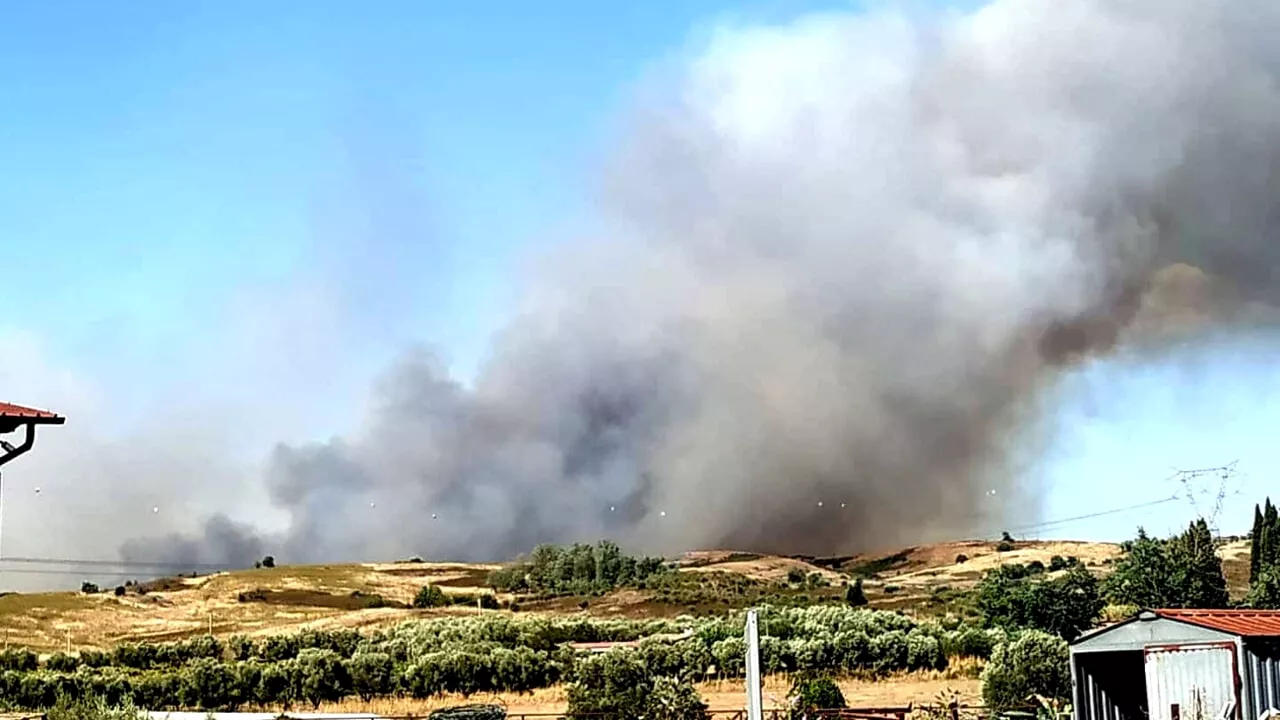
x=1269 y=544
x=1255 y=549
x=1197 y=569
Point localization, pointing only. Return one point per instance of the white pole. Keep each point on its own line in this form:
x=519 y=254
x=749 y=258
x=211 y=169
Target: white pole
x=755 y=710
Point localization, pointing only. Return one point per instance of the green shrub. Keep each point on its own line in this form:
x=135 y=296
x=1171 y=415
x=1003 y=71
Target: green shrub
x=1036 y=663
x=208 y=684
x=321 y=676
x=430 y=596
x=673 y=699
x=618 y=684
x=91 y=708
x=372 y=674
x=854 y=594
x=18 y=660
x=489 y=652
x=62 y=662
x=814 y=692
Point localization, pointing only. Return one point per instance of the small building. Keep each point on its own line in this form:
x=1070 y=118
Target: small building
x=1179 y=665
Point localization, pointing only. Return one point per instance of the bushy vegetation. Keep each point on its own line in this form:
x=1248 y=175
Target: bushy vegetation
x=854 y=594
x=1032 y=664
x=576 y=570
x=719 y=592
x=813 y=692
x=1066 y=606
x=430 y=596
x=1181 y=572
x=628 y=685
x=499 y=653
x=809 y=629
x=1264 y=559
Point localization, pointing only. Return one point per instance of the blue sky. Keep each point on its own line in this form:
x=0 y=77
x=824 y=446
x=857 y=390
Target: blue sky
x=163 y=172
x=165 y=164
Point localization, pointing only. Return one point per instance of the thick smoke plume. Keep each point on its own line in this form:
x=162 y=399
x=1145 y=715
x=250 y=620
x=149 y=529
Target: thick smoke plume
x=838 y=263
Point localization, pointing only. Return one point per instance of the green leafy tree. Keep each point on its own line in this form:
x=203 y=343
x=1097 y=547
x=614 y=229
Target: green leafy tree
x=248 y=681
x=430 y=596
x=1264 y=591
x=1197 y=575
x=1065 y=606
x=320 y=676
x=1142 y=577
x=207 y=684
x=276 y=685
x=576 y=569
x=619 y=684
x=1183 y=572
x=613 y=683
x=372 y=674
x=18 y=660
x=1036 y=663
x=854 y=595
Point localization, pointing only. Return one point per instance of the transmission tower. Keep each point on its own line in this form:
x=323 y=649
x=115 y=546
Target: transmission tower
x=1207 y=501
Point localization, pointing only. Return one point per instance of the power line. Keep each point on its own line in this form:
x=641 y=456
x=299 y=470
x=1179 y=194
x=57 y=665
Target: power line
x=1090 y=516
x=77 y=573
x=119 y=563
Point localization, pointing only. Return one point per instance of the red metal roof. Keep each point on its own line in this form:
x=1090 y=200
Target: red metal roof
x=1248 y=623
x=9 y=411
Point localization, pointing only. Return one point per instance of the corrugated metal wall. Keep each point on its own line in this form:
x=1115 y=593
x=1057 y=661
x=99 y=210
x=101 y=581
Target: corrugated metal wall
x=1190 y=682
x=1261 y=676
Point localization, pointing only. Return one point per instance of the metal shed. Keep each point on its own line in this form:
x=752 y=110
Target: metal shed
x=1179 y=665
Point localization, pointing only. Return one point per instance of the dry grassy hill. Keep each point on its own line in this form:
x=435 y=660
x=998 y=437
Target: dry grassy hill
x=918 y=580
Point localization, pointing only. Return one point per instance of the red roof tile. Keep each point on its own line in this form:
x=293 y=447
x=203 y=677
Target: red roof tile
x=9 y=411
x=1248 y=623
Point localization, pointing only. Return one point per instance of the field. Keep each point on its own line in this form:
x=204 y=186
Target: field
x=896 y=691
x=920 y=581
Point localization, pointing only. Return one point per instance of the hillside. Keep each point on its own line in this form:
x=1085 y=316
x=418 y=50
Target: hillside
x=920 y=580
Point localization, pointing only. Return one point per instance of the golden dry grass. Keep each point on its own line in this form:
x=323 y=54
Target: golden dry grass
x=47 y=621
x=896 y=691
x=769 y=568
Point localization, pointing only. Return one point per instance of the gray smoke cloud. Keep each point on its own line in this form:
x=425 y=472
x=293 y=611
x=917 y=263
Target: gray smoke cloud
x=837 y=261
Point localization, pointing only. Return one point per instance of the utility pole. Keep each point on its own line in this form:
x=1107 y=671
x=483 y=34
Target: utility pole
x=755 y=710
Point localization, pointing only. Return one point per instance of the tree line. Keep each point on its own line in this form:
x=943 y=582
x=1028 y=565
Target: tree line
x=1264 y=558
x=473 y=655
x=578 y=569
x=1183 y=571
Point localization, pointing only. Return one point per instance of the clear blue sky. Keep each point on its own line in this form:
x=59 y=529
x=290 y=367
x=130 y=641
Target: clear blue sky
x=161 y=165
x=164 y=169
